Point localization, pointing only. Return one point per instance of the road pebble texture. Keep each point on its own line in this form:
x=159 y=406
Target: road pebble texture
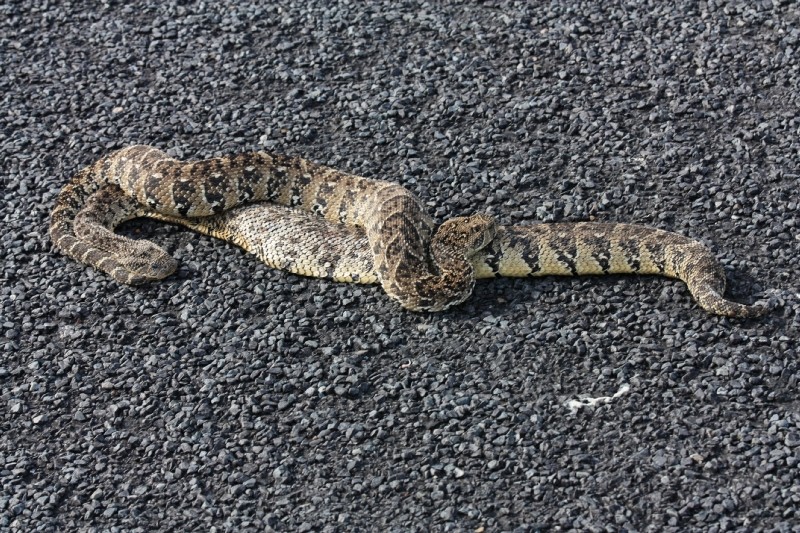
x=233 y=397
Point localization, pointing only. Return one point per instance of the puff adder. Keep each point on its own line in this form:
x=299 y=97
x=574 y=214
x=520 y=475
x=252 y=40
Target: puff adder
x=322 y=222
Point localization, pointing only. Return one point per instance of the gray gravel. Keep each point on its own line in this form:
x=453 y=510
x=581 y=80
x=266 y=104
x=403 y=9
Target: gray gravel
x=232 y=397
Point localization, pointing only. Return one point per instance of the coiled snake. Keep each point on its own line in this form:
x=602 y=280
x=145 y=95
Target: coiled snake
x=322 y=222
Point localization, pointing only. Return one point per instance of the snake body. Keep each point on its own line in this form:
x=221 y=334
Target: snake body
x=367 y=231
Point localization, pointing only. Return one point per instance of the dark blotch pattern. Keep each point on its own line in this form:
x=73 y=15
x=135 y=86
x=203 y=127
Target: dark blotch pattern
x=566 y=251
x=600 y=250
x=182 y=196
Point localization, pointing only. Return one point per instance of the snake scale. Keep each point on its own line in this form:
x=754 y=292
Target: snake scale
x=319 y=221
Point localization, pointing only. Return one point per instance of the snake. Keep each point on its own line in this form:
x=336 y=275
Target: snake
x=314 y=220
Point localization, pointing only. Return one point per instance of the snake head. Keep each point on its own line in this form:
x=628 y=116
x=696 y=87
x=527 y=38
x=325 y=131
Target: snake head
x=467 y=234
x=146 y=261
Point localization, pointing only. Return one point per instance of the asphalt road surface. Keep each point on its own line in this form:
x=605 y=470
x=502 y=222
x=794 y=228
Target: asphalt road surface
x=233 y=397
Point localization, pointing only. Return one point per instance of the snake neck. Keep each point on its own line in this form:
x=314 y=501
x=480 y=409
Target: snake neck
x=456 y=279
x=433 y=286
